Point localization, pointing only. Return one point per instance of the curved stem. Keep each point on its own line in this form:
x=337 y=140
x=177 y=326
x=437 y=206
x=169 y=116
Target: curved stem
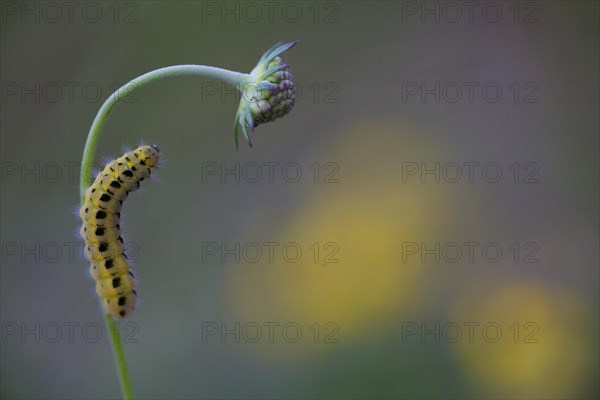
x=233 y=78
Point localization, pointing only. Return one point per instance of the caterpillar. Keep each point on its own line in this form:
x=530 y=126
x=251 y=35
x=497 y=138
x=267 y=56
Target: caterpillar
x=101 y=231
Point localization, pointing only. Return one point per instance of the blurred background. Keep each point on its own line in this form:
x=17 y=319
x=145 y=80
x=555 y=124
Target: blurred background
x=423 y=224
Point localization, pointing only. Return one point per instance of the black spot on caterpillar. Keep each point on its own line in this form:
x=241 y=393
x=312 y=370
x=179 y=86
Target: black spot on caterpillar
x=101 y=213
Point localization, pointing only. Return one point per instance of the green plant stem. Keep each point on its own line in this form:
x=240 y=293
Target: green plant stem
x=89 y=152
x=233 y=78
x=119 y=356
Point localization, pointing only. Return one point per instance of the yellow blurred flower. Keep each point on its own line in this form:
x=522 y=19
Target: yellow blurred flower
x=543 y=348
x=367 y=215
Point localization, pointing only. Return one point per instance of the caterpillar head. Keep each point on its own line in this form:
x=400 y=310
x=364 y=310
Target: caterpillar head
x=148 y=154
x=268 y=94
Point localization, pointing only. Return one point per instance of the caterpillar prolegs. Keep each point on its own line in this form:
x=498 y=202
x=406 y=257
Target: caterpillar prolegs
x=101 y=213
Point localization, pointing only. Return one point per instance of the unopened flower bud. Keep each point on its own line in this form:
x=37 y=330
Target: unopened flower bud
x=268 y=94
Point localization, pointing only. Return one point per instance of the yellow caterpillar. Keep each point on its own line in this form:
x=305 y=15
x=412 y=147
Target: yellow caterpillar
x=101 y=213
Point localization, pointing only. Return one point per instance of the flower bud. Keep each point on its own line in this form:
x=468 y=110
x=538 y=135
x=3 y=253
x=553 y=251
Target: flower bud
x=269 y=92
